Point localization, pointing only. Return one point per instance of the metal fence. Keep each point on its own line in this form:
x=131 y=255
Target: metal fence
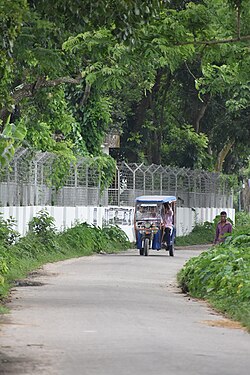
x=27 y=181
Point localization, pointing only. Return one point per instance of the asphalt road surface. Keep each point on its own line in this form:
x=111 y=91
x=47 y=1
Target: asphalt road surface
x=117 y=315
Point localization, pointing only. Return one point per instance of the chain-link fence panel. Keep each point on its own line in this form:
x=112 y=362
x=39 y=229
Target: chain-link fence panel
x=28 y=180
x=193 y=188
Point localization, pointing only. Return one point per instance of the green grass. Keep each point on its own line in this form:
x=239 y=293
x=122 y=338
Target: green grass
x=3 y=310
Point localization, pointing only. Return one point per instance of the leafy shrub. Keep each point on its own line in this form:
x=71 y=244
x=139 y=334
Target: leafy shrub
x=95 y=239
x=3 y=269
x=114 y=233
x=43 y=225
x=201 y=234
x=222 y=276
x=82 y=237
x=8 y=235
x=242 y=219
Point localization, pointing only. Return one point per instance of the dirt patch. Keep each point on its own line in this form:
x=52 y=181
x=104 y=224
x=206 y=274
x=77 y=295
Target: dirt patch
x=27 y=282
x=40 y=272
x=30 y=280
x=223 y=323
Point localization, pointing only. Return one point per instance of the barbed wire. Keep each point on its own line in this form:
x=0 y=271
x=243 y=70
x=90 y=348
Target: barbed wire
x=25 y=182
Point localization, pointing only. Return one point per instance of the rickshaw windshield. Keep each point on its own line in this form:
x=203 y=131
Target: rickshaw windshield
x=146 y=211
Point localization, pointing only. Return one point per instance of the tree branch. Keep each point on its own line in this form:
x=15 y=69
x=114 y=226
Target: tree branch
x=86 y=94
x=215 y=41
x=27 y=90
x=238 y=20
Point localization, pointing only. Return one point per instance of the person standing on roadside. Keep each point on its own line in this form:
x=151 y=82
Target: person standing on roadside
x=223 y=227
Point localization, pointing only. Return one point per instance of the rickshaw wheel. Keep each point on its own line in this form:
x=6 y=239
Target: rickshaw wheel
x=146 y=246
x=171 y=250
x=141 y=251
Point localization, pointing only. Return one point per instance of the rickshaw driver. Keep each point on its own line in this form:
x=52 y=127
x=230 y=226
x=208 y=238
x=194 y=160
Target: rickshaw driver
x=167 y=224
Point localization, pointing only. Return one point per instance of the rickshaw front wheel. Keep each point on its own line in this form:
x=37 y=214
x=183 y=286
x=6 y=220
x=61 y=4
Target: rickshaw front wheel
x=146 y=246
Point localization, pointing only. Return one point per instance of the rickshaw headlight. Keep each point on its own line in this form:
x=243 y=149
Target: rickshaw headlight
x=147 y=225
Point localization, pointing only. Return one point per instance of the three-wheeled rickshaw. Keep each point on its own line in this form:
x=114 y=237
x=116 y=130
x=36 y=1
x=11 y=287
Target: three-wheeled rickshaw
x=149 y=223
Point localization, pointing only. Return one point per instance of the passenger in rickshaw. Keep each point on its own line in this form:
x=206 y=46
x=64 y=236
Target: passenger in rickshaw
x=153 y=212
x=167 y=224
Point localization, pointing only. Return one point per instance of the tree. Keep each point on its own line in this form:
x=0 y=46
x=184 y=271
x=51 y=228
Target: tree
x=151 y=68
x=192 y=97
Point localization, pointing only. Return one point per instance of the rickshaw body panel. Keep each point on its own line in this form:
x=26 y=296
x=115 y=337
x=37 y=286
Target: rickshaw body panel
x=151 y=224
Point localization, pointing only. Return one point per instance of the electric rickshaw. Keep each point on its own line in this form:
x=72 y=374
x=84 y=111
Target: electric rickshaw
x=148 y=223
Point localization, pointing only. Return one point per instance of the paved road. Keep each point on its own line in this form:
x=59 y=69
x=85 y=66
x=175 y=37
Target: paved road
x=117 y=315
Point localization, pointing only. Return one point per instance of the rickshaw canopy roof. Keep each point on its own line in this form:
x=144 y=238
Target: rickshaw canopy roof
x=156 y=199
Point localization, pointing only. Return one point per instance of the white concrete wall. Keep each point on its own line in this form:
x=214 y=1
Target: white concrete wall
x=66 y=217
x=187 y=218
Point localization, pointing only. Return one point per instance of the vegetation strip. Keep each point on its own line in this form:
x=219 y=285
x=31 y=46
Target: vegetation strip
x=222 y=274
x=42 y=244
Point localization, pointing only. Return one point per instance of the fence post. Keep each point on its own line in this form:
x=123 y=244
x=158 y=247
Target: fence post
x=118 y=186
x=75 y=183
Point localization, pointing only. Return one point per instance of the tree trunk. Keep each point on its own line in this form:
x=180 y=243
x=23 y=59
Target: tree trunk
x=159 y=95
x=201 y=114
x=159 y=120
x=222 y=155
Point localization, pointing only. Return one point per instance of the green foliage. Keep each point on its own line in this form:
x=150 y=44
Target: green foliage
x=222 y=276
x=114 y=233
x=105 y=170
x=200 y=234
x=8 y=235
x=242 y=219
x=95 y=121
x=3 y=270
x=93 y=239
x=11 y=17
x=63 y=160
x=43 y=226
x=10 y=139
x=184 y=147
x=124 y=16
x=133 y=66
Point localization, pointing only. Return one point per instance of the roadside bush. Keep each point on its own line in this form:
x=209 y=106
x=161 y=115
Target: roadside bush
x=3 y=269
x=222 y=276
x=8 y=235
x=94 y=239
x=242 y=219
x=201 y=234
x=43 y=225
x=114 y=234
